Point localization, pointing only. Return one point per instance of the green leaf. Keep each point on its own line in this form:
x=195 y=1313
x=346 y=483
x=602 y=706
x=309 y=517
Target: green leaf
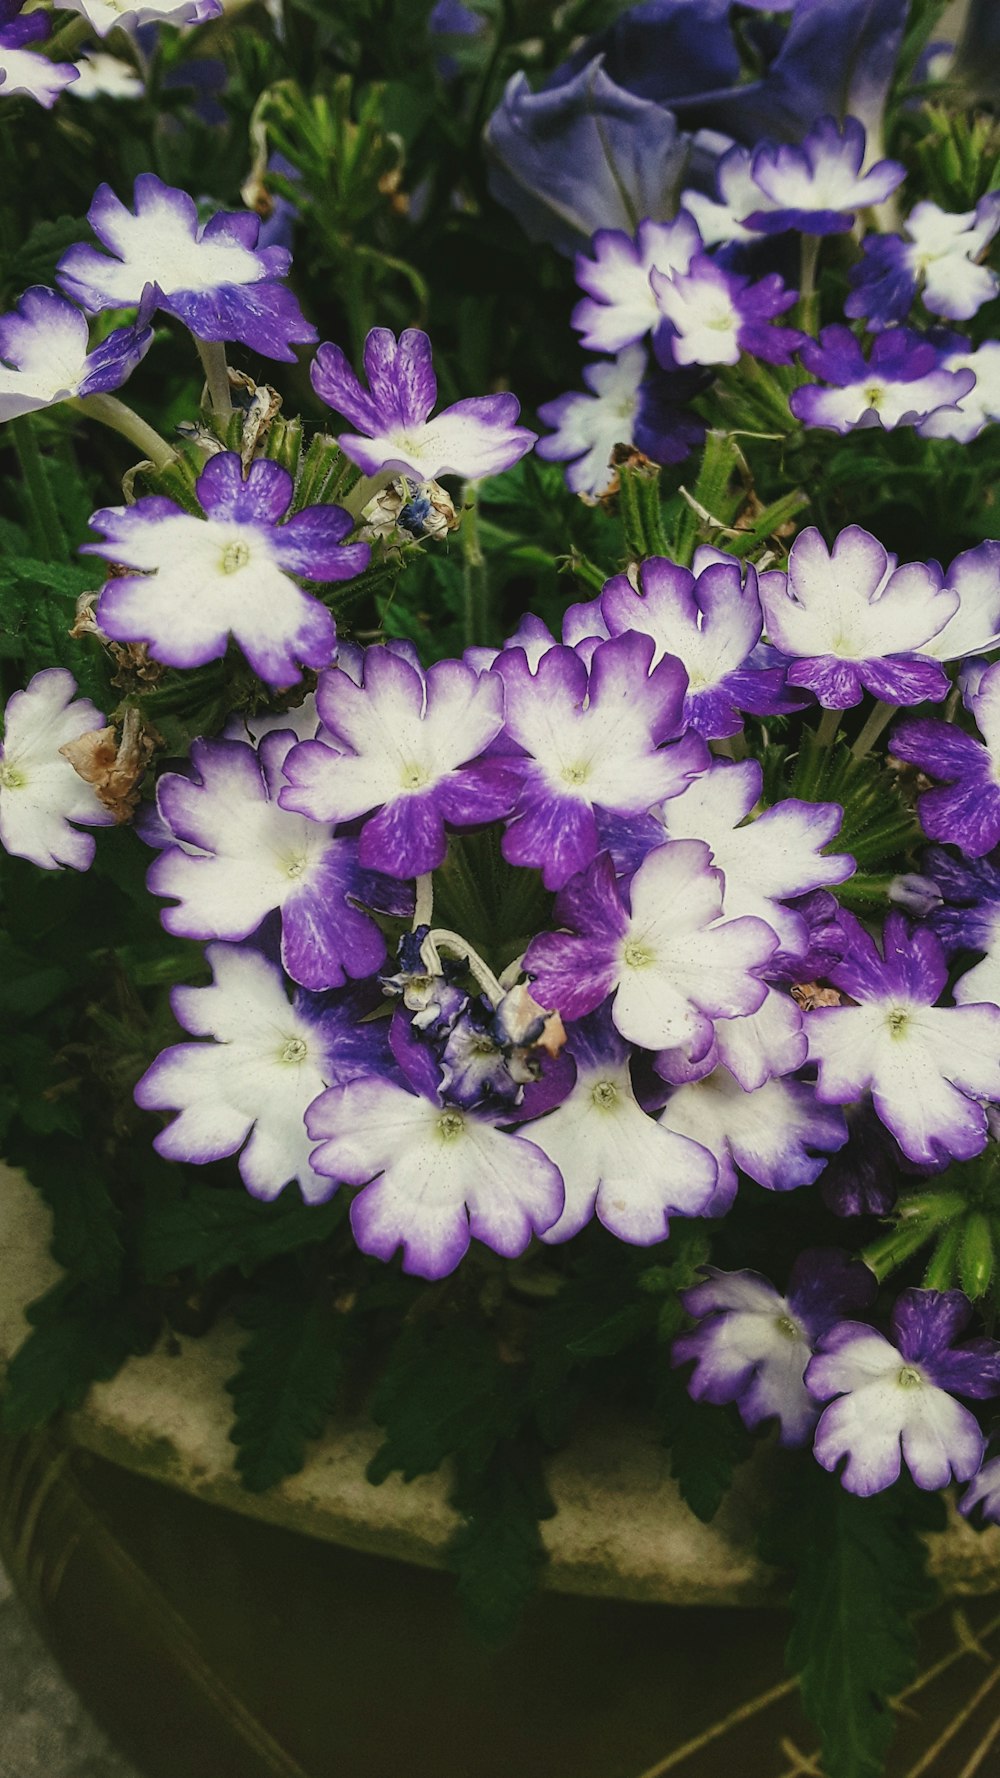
x=444 y=1391
x=707 y=1443
x=290 y=1374
x=498 y=1553
x=860 y=1578
x=210 y=1228
x=80 y=1335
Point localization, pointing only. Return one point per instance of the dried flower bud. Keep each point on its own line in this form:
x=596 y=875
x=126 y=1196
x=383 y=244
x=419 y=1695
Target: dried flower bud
x=115 y=766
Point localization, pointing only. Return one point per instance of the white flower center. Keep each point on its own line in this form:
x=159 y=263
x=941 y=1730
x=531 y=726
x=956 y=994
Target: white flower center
x=575 y=772
x=785 y=1325
x=295 y=866
x=415 y=775
x=719 y=319
x=897 y=1020
x=294 y=1050
x=909 y=1378
x=637 y=955
x=874 y=393
x=605 y=1095
x=450 y=1125
x=11 y=778
x=235 y=556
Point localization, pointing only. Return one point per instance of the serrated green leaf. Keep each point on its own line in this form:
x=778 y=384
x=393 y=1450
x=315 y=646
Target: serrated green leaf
x=498 y=1553
x=707 y=1444
x=291 y=1371
x=80 y=1335
x=211 y=1228
x=444 y=1391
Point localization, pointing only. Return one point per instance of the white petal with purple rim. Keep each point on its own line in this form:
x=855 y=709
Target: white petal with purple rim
x=40 y=792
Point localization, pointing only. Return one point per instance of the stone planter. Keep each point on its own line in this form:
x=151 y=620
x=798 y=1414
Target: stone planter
x=621 y=1535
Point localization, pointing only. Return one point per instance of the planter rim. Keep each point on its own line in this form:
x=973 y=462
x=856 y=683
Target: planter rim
x=622 y=1530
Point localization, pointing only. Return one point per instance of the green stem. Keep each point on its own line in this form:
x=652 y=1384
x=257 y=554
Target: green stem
x=879 y=719
x=357 y=498
x=423 y=905
x=121 y=418
x=63 y=45
x=829 y=724
x=44 y=521
x=475 y=589
x=213 y=357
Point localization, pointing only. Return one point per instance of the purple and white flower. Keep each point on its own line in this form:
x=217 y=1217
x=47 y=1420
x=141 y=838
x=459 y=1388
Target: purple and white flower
x=632 y=402
x=213 y=278
x=710 y=618
x=721 y=220
x=777 y=1133
x=41 y=795
x=766 y=861
x=716 y=314
x=983 y=1492
x=229 y=573
x=23 y=73
x=817 y=186
x=940 y=259
x=975 y=626
x=928 y=1067
x=434 y=1175
x=754 y=1048
x=751 y=1345
x=104 y=16
x=587 y=744
x=45 y=353
x=972 y=411
x=472 y=438
x=618 y=1163
x=620 y=307
x=671 y=961
x=893 y=1401
x=904 y=380
x=854 y=621
x=236 y=856
x=266 y=1060
x=966 y=809
x=405 y=744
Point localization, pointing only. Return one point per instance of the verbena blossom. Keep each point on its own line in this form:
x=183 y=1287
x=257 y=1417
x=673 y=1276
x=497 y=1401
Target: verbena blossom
x=904 y=379
x=401 y=749
x=983 y=1493
x=817 y=186
x=246 y=1089
x=236 y=856
x=434 y=1176
x=754 y=1048
x=104 y=16
x=767 y=861
x=777 y=1132
x=892 y=1401
x=631 y=402
x=620 y=306
x=715 y=315
x=940 y=259
x=721 y=219
x=669 y=959
x=968 y=919
x=102 y=76
x=751 y=1345
x=46 y=357
x=618 y=1163
x=213 y=278
x=201 y=580
x=974 y=628
x=928 y=1067
x=587 y=744
x=472 y=438
x=42 y=796
x=965 y=418
x=24 y=73
x=854 y=621
x=710 y=618
x=966 y=809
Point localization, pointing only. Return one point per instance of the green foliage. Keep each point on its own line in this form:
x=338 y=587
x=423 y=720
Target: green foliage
x=498 y=1553
x=80 y=1334
x=290 y=1375
x=860 y=1578
x=706 y=1443
x=207 y=1228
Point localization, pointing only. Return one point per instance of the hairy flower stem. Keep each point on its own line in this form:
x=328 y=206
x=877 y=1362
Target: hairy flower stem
x=121 y=418
x=440 y=939
x=45 y=525
x=879 y=719
x=213 y=357
x=475 y=588
x=827 y=729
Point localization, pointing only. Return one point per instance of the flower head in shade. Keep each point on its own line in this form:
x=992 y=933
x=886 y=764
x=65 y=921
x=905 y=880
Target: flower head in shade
x=471 y=438
x=764 y=862
x=24 y=73
x=236 y=856
x=102 y=76
x=965 y=418
x=710 y=618
x=966 y=809
x=892 y=1401
x=854 y=622
x=938 y=256
x=265 y=1061
x=983 y=1492
x=927 y=1066
x=777 y=1133
x=751 y=1345
x=721 y=219
x=818 y=187
x=617 y=1162
x=905 y=379
x=212 y=278
x=41 y=795
x=620 y=307
x=863 y=1177
x=715 y=314
x=45 y=353
x=589 y=743
x=670 y=960
x=230 y=573
x=401 y=749
x=434 y=1175
x=109 y=15
x=631 y=403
